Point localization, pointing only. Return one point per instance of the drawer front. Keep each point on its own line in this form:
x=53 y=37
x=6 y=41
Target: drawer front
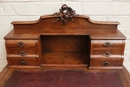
x=107 y=52
x=106 y=62
x=107 y=43
x=22 y=52
x=22 y=61
x=21 y=43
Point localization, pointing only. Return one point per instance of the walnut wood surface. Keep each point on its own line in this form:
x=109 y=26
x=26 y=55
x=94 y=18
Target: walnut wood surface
x=100 y=34
x=65 y=58
x=65 y=43
x=43 y=43
x=100 y=61
x=27 y=43
x=43 y=26
x=71 y=43
x=17 y=60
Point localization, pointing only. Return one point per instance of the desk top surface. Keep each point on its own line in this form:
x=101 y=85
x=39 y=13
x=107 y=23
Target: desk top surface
x=123 y=74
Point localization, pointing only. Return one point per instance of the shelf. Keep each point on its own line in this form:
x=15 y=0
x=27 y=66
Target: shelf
x=65 y=58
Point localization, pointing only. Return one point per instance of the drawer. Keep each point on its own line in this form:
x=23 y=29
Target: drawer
x=107 y=52
x=107 y=43
x=21 y=43
x=22 y=52
x=22 y=61
x=106 y=62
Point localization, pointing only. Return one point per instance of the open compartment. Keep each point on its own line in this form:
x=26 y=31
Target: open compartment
x=65 y=50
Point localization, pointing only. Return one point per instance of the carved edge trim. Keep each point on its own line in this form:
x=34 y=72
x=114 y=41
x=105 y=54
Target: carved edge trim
x=76 y=16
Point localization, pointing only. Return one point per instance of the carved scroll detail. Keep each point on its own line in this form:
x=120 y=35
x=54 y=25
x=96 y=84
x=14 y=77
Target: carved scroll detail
x=66 y=14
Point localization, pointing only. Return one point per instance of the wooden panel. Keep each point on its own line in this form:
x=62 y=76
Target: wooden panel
x=112 y=51
x=66 y=43
x=112 y=61
x=16 y=51
x=46 y=23
x=16 y=61
x=16 y=43
x=65 y=58
x=101 y=43
x=95 y=34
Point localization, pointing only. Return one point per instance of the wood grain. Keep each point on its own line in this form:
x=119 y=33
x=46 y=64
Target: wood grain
x=43 y=42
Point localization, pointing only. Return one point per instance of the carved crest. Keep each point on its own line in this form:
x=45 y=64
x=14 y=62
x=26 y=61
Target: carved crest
x=66 y=14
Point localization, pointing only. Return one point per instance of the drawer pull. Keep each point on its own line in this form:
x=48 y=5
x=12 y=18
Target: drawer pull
x=22 y=53
x=106 y=63
x=106 y=54
x=23 y=62
x=107 y=44
x=21 y=44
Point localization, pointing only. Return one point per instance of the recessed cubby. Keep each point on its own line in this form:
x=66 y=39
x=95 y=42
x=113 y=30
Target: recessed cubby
x=65 y=50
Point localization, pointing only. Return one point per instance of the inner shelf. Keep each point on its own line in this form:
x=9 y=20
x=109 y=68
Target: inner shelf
x=64 y=58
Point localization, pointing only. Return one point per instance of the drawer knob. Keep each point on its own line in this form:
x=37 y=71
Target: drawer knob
x=107 y=44
x=21 y=44
x=23 y=62
x=106 y=63
x=106 y=54
x=22 y=53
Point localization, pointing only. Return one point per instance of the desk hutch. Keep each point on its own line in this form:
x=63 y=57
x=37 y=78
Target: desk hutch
x=65 y=39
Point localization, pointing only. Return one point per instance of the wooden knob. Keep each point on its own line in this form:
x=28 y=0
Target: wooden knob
x=22 y=53
x=23 y=62
x=107 y=44
x=21 y=44
x=106 y=63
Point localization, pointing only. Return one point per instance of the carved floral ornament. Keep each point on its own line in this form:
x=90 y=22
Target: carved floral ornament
x=65 y=15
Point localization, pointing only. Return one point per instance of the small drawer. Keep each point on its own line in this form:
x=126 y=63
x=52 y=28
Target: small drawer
x=21 y=43
x=107 y=43
x=22 y=52
x=105 y=52
x=22 y=61
x=106 y=62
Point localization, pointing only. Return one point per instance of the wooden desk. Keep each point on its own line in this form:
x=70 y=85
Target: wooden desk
x=65 y=39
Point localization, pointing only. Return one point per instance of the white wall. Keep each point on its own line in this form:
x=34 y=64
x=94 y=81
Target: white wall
x=105 y=10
